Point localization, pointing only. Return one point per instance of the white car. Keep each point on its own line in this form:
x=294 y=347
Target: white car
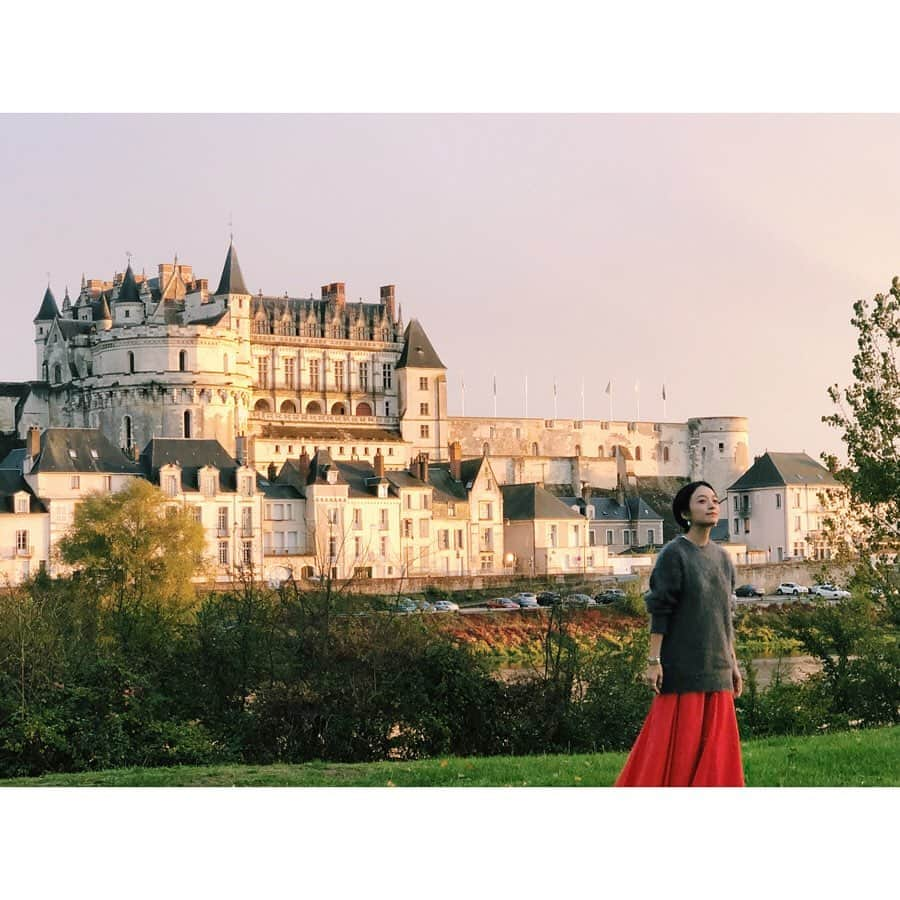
x=445 y=606
x=829 y=592
x=791 y=587
x=526 y=600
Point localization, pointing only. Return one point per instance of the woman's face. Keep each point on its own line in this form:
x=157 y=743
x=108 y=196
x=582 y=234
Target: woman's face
x=704 y=507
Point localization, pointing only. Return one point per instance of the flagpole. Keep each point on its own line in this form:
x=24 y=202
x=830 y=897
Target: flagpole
x=526 y=396
x=555 y=414
x=582 y=398
x=462 y=387
x=495 y=396
x=637 y=400
x=665 y=415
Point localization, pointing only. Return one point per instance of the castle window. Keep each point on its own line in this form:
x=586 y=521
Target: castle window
x=578 y=449
x=130 y=361
x=263 y=369
x=57 y=373
x=288 y=407
x=600 y=450
x=363 y=376
x=182 y=361
x=127 y=437
x=339 y=376
x=721 y=447
x=45 y=372
x=225 y=363
x=363 y=409
x=534 y=449
x=423 y=384
x=637 y=453
x=485 y=447
x=423 y=431
x=261 y=406
x=386 y=376
x=423 y=410
x=665 y=454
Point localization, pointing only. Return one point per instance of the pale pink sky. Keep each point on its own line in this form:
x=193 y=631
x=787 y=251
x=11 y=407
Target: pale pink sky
x=717 y=254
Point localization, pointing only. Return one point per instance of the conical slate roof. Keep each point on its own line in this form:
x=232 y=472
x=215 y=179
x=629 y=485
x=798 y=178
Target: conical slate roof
x=232 y=281
x=417 y=350
x=49 y=309
x=129 y=289
x=104 y=309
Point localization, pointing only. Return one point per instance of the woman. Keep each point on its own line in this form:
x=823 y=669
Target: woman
x=690 y=736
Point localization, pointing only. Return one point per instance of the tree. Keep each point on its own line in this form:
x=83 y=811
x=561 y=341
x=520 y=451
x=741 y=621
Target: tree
x=868 y=412
x=136 y=548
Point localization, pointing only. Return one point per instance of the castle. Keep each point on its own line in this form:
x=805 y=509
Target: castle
x=272 y=378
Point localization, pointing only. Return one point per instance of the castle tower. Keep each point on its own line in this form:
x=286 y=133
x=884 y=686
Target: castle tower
x=422 y=385
x=128 y=307
x=718 y=450
x=42 y=322
x=237 y=300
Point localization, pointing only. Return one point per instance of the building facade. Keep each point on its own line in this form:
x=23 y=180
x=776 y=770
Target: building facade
x=163 y=356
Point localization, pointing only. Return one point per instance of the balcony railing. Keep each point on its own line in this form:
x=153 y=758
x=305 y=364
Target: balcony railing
x=24 y=551
x=303 y=340
x=246 y=531
x=222 y=532
x=313 y=418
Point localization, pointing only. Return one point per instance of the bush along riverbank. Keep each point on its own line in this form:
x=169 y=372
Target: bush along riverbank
x=264 y=677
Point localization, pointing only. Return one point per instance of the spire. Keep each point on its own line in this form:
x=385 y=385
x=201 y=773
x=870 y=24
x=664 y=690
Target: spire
x=232 y=281
x=67 y=302
x=129 y=289
x=49 y=309
x=418 y=353
x=104 y=314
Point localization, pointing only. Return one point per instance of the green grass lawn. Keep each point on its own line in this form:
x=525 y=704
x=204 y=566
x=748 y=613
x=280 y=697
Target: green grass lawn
x=848 y=759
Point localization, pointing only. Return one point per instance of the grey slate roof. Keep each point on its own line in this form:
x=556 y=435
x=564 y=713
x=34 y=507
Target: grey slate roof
x=417 y=350
x=81 y=450
x=232 y=280
x=524 y=502
x=49 y=309
x=12 y=483
x=784 y=469
x=444 y=485
x=129 y=289
x=319 y=466
x=400 y=478
x=607 y=509
x=278 y=490
x=192 y=454
x=469 y=469
x=70 y=328
x=360 y=476
x=103 y=309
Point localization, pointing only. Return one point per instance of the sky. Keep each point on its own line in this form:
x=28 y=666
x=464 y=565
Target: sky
x=716 y=254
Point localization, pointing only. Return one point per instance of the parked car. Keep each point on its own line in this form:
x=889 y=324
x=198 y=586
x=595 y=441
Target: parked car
x=791 y=587
x=527 y=595
x=749 y=590
x=445 y=606
x=404 y=605
x=829 y=591
x=502 y=603
x=547 y=598
x=611 y=595
x=526 y=601
x=579 y=600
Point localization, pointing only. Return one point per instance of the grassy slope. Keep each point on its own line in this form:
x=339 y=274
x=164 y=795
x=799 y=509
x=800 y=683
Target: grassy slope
x=849 y=759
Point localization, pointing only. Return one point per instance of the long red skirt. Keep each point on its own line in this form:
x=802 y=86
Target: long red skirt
x=688 y=740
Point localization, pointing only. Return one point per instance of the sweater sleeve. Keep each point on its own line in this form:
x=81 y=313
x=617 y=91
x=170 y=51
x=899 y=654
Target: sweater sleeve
x=665 y=590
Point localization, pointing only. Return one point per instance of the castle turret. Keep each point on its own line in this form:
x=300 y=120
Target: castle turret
x=422 y=386
x=128 y=304
x=42 y=322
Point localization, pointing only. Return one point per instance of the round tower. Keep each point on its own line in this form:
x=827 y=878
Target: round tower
x=42 y=322
x=718 y=450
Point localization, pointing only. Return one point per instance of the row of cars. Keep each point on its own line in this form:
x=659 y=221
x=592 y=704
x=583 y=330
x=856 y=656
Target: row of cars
x=527 y=600
x=408 y=605
x=825 y=590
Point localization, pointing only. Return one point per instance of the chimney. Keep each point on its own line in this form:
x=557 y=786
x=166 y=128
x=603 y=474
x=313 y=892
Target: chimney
x=620 y=491
x=423 y=466
x=387 y=299
x=240 y=449
x=456 y=461
x=334 y=292
x=379 y=464
x=585 y=492
x=34 y=441
x=303 y=465
x=272 y=472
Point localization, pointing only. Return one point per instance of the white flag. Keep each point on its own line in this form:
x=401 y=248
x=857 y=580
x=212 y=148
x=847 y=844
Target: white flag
x=608 y=387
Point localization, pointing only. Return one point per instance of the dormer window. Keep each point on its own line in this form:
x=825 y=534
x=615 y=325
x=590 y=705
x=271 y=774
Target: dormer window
x=331 y=476
x=22 y=504
x=73 y=454
x=94 y=454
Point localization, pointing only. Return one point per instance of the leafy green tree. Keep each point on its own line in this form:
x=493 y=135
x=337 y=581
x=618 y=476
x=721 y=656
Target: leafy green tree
x=137 y=549
x=868 y=413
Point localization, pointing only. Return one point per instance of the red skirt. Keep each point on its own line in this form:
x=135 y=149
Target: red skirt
x=688 y=740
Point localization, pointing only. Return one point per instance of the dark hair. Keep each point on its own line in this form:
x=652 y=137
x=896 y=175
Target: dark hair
x=682 y=502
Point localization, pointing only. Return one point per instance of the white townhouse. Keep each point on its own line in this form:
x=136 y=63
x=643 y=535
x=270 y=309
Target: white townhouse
x=780 y=507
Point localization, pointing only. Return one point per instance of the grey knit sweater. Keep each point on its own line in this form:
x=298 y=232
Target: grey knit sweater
x=690 y=604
